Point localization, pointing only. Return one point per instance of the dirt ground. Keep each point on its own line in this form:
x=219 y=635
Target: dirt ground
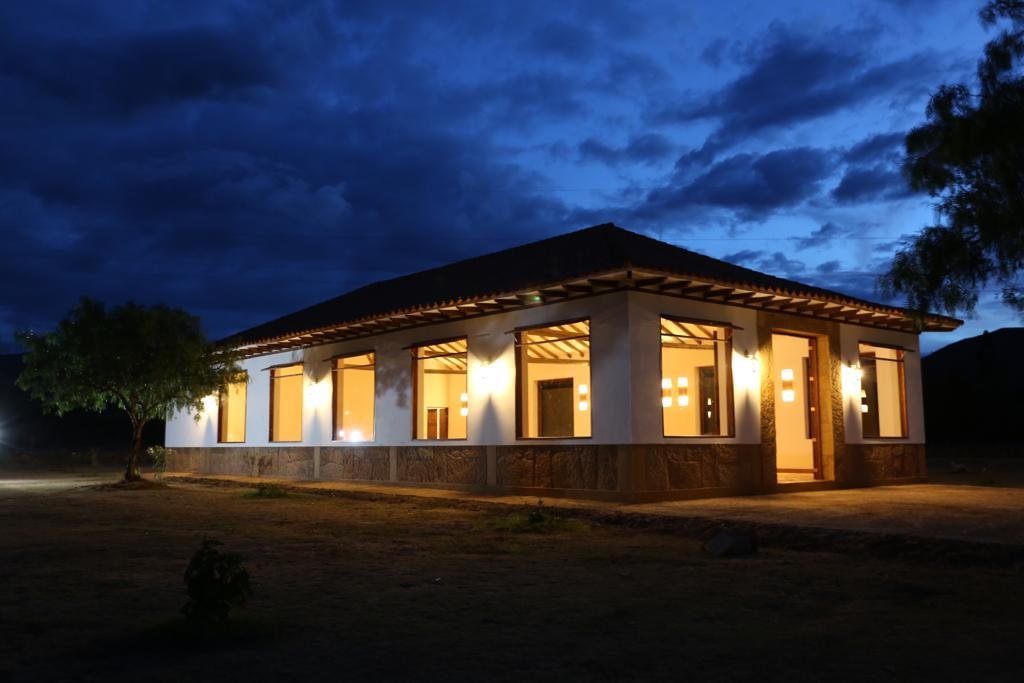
x=92 y=583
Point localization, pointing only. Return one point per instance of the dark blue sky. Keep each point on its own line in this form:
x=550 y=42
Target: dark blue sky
x=245 y=159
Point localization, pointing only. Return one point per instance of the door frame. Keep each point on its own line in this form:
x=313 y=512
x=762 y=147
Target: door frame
x=812 y=391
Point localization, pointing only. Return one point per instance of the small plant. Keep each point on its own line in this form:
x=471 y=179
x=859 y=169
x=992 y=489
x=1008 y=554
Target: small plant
x=159 y=456
x=268 y=490
x=215 y=582
x=537 y=515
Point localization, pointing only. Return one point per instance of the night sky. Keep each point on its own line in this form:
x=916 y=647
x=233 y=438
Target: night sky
x=243 y=159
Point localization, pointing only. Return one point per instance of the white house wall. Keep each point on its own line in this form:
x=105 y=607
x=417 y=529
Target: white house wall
x=625 y=377
x=491 y=392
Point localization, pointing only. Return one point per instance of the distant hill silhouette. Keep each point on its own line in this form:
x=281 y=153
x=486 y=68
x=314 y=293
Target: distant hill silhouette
x=24 y=427
x=974 y=390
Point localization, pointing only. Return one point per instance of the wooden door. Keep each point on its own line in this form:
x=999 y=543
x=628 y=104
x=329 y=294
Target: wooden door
x=708 y=400
x=437 y=423
x=555 y=404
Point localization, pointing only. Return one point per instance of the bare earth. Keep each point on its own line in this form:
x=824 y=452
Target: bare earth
x=419 y=589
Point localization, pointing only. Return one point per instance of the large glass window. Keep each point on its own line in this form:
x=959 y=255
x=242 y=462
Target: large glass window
x=442 y=401
x=553 y=376
x=354 y=388
x=696 y=386
x=883 y=395
x=231 y=412
x=286 y=403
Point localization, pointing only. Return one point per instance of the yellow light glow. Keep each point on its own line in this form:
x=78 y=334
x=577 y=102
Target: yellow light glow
x=788 y=395
x=683 y=401
x=463 y=412
x=584 y=390
x=682 y=382
x=787 y=374
x=209 y=404
x=863 y=407
x=341 y=435
x=464 y=397
x=355 y=435
x=584 y=405
x=747 y=372
x=666 y=383
x=666 y=401
x=318 y=394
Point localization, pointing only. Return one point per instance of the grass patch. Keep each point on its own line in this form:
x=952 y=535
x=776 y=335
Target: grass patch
x=267 y=490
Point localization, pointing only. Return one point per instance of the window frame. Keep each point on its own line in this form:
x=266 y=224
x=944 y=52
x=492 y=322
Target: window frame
x=902 y=368
x=414 y=352
x=302 y=410
x=520 y=377
x=730 y=408
x=243 y=378
x=336 y=385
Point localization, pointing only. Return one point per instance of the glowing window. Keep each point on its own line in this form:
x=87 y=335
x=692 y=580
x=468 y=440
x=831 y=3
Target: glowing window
x=883 y=395
x=354 y=390
x=441 y=403
x=231 y=413
x=553 y=381
x=696 y=391
x=286 y=403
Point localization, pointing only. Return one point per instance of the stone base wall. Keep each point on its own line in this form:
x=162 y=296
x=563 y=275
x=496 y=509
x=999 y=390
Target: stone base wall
x=286 y=462
x=685 y=467
x=366 y=463
x=867 y=464
x=623 y=472
x=582 y=468
x=458 y=465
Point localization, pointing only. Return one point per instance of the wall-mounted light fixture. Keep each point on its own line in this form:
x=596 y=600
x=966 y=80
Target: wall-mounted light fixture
x=464 y=404
x=485 y=376
x=683 y=393
x=788 y=392
x=666 y=392
x=584 y=403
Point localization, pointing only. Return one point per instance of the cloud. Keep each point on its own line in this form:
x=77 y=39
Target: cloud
x=876 y=148
x=822 y=237
x=749 y=185
x=780 y=264
x=879 y=182
x=564 y=39
x=644 y=149
x=152 y=165
x=828 y=267
x=124 y=74
x=743 y=257
x=792 y=77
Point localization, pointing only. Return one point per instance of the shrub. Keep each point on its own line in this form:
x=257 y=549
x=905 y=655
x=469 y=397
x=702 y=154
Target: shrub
x=215 y=582
x=159 y=456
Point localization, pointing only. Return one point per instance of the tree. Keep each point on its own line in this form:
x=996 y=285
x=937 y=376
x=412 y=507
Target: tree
x=969 y=155
x=146 y=361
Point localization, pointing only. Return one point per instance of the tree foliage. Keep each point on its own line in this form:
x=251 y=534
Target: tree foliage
x=969 y=155
x=145 y=361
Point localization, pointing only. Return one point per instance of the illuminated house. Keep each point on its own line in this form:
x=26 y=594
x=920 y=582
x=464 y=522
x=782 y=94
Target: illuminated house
x=600 y=363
